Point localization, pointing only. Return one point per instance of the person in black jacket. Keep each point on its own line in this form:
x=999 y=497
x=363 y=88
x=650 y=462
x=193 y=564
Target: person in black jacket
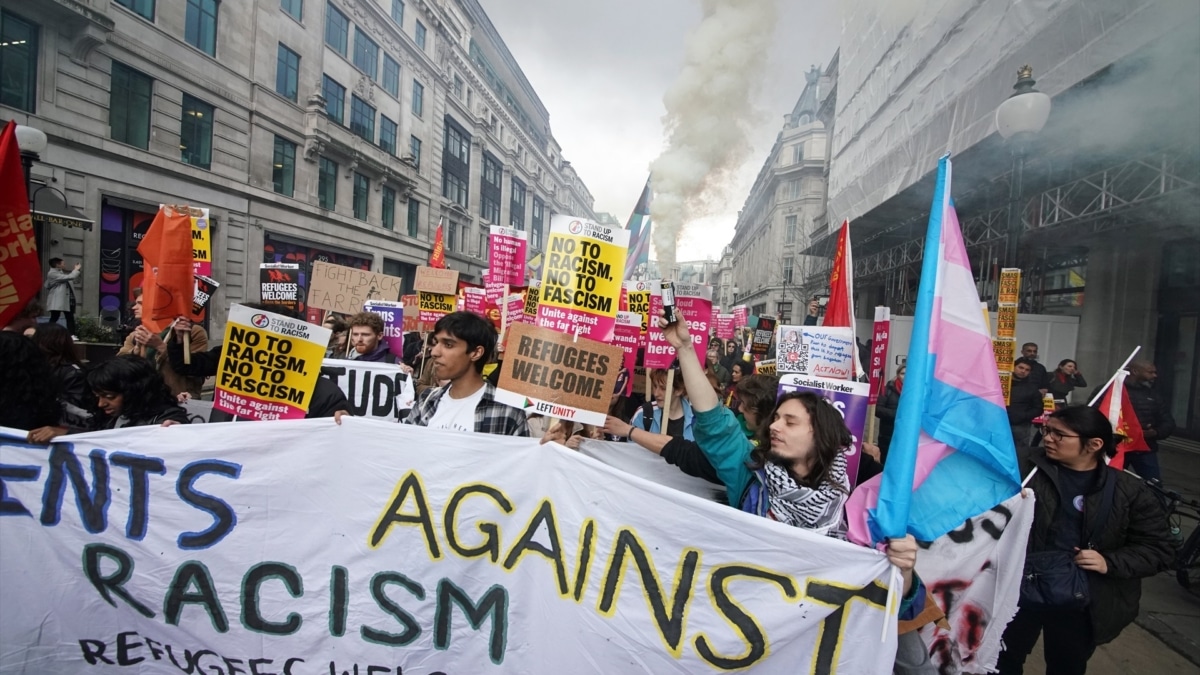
x=29 y=397
x=1153 y=413
x=1029 y=352
x=885 y=410
x=55 y=342
x=327 y=398
x=1024 y=402
x=1065 y=379
x=1069 y=484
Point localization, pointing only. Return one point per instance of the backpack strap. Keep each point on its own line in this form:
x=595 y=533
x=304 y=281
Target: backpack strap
x=647 y=415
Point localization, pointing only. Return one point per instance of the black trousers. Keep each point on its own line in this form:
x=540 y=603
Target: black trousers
x=1067 y=641
x=70 y=319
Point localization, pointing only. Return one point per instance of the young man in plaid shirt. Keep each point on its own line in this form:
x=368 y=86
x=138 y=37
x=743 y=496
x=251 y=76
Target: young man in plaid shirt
x=463 y=344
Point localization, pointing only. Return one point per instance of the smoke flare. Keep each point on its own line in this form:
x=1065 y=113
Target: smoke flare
x=709 y=114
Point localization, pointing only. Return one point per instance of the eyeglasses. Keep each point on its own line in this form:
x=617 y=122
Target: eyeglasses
x=1057 y=435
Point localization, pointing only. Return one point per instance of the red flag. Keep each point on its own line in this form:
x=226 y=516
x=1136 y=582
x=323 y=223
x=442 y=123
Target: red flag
x=20 y=267
x=840 y=310
x=168 y=284
x=437 y=257
x=1116 y=406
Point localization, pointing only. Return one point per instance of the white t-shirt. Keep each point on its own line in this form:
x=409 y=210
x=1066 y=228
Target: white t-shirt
x=457 y=414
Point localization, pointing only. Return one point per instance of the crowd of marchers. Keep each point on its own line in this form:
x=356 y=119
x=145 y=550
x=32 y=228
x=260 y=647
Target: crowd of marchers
x=778 y=457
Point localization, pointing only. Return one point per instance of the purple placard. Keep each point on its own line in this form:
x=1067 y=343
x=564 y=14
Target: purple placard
x=392 y=314
x=848 y=397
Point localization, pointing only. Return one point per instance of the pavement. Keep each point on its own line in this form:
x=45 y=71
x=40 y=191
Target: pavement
x=1165 y=638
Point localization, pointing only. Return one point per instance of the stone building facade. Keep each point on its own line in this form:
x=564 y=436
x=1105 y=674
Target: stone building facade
x=339 y=130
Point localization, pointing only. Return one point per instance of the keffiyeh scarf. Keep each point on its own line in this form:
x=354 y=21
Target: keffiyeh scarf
x=820 y=509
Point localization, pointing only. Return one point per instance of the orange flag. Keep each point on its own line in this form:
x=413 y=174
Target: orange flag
x=20 y=269
x=1117 y=407
x=437 y=257
x=168 y=284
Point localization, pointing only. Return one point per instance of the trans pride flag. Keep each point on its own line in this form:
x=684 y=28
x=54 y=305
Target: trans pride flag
x=952 y=454
x=639 y=236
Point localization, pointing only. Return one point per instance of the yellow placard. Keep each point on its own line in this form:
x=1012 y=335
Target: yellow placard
x=531 y=300
x=433 y=306
x=1006 y=386
x=582 y=274
x=269 y=365
x=639 y=303
x=1010 y=285
x=1005 y=350
x=1006 y=321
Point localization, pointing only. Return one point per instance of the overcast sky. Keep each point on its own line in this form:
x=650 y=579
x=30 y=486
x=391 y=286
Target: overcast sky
x=601 y=69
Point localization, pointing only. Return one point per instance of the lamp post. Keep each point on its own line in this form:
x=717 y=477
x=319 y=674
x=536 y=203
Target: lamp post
x=1018 y=119
x=32 y=142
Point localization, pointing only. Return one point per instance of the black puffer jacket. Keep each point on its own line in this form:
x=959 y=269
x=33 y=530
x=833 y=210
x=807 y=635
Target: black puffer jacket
x=1135 y=541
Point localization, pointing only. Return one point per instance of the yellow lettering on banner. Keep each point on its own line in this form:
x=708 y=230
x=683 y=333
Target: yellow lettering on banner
x=531 y=301
x=672 y=623
x=543 y=515
x=639 y=303
x=734 y=614
x=201 y=242
x=435 y=302
x=587 y=542
x=578 y=274
x=490 y=531
x=393 y=514
x=833 y=627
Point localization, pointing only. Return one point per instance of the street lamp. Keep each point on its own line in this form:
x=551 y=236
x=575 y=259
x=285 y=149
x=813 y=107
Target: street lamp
x=1018 y=119
x=32 y=143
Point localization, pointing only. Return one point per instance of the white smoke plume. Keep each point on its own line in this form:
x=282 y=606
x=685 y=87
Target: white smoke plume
x=709 y=114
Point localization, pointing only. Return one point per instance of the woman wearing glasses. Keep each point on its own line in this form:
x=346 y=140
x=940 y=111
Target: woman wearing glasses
x=1096 y=532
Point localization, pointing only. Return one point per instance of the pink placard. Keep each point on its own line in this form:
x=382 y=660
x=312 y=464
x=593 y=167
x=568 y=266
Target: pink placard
x=506 y=255
x=881 y=335
x=725 y=328
x=741 y=316
x=628 y=336
x=475 y=301
x=694 y=301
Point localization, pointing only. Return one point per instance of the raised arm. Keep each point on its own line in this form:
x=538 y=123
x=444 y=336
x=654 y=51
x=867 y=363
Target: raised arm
x=700 y=393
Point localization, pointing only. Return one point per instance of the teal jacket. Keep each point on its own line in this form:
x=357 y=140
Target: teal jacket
x=720 y=437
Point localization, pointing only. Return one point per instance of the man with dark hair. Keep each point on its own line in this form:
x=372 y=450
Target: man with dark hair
x=1024 y=402
x=463 y=344
x=1037 y=372
x=327 y=398
x=60 y=295
x=366 y=336
x=1153 y=413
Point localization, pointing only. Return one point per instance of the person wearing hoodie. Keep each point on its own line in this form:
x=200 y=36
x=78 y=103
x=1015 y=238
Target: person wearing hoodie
x=366 y=339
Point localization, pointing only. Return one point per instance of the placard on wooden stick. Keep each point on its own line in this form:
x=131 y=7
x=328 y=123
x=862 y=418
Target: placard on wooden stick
x=342 y=289
x=553 y=374
x=435 y=280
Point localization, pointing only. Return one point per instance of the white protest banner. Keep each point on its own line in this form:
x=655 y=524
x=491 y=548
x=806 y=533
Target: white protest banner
x=308 y=547
x=269 y=365
x=376 y=390
x=974 y=575
x=198 y=411
x=634 y=459
x=815 y=350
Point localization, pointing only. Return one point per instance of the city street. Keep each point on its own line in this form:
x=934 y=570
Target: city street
x=1166 y=636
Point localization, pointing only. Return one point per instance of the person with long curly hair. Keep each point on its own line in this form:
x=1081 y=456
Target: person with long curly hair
x=131 y=393
x=29 y=397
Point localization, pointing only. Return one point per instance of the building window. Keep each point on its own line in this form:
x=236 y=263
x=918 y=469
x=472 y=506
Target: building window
x=287 y=73
x=362 y=188
x=489 y=194
x=366 y=54
x=454 y=189
x=537 y=219
x=516 y=217
x=414 y=216
x=337 y=29
x=791 y=189
x=195 y=132
x=335 y=99
x=398 y=12
x=414 y=149
x=457 y=145
x=785 y=313
x=295 y=8
x=787 y=270
x=388 y=208
x=387 y=135
x=327 y=183
x=458 y=87
x=483 y=246
x=129 y=106
x=797 y=153
x=200 y=28
x=283 y=167
x=491 y=171
x=489 y=210
x=419 y=34
x=362 y=119
x=418 y=99
x=18 y=62
x=143 y=8
x=789 y=229
x=391 y=76
x=452 y=236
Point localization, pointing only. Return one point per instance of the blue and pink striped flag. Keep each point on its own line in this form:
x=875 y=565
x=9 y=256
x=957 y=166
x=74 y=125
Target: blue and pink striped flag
x=952 y=455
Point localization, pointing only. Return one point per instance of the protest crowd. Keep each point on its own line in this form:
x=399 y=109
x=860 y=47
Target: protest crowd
x=752 y=409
